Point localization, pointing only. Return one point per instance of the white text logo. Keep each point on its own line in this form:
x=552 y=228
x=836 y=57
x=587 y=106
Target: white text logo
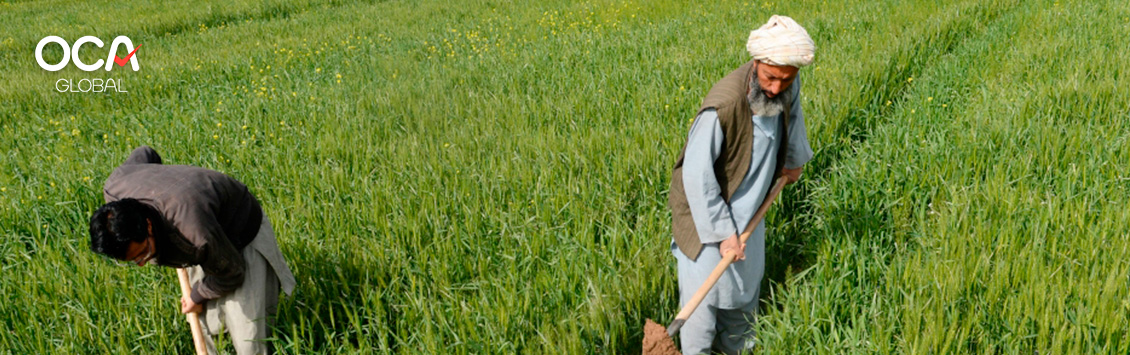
x=70 y=53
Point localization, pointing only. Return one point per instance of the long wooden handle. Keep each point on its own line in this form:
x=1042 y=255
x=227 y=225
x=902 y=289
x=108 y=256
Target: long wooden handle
x=727 y=259
x=193 y=318
x=757 y=217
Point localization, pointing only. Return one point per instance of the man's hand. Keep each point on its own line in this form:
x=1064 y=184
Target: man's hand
x=792 y=175
x=187 y=306
x=732 y=244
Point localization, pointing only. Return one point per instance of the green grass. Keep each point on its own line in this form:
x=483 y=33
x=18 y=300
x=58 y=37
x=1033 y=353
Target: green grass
x=490 y=177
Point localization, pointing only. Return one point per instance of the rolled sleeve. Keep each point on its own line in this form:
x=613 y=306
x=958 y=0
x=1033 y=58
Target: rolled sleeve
x=223 y=273
x=712 y=216
x=222 y=263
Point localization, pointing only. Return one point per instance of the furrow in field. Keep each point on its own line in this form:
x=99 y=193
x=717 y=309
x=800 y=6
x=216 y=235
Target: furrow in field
x=943 y=227
x=881 y=91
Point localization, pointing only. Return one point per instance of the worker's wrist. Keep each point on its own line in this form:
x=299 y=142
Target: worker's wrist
x=196 y=297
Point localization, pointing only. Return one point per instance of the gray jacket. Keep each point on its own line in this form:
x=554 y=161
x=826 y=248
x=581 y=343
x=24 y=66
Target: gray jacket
x=209 y=217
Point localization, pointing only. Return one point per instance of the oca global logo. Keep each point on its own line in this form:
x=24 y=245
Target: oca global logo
x=71 y=54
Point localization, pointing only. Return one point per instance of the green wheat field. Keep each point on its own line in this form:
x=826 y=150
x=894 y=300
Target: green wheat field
x=475 y=177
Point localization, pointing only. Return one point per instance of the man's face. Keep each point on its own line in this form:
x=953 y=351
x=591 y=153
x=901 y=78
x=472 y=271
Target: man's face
x=143 y=251
x=775 y=79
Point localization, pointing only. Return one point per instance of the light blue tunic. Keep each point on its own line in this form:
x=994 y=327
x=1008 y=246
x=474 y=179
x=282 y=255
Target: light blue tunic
x=716 y=220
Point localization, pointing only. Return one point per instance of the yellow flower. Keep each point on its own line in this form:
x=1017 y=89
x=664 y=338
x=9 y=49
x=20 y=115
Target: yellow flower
x=215 y=136
x=4 y=189
x=318 y=70
x=928 y=99
x=219 y=124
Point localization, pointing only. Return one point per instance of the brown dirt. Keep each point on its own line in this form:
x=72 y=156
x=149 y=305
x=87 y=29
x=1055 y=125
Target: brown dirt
x=656 y=341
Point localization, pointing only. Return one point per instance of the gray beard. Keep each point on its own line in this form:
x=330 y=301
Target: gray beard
x=763 y=105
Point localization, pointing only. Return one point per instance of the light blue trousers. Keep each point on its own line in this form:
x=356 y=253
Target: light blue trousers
x=723 y=322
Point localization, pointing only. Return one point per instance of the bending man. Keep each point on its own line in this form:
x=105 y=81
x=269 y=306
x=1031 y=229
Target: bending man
x=749 y=131
x=203 y=220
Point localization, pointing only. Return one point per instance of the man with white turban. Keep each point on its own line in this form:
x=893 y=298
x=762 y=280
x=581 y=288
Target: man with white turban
x=748 y=131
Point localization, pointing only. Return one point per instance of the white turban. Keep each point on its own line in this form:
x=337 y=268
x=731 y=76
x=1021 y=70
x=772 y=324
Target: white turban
x=781 y=41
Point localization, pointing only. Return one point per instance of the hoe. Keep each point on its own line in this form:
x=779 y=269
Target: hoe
x=656 y=339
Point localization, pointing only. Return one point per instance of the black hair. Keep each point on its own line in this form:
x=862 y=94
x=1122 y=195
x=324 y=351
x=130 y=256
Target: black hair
x=117 y=224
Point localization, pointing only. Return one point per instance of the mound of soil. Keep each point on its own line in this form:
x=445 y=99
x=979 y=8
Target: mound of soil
x=656 y=341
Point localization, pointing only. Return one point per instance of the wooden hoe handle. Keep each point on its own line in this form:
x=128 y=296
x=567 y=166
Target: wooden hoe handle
x=193 y=318
x=727 y=259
